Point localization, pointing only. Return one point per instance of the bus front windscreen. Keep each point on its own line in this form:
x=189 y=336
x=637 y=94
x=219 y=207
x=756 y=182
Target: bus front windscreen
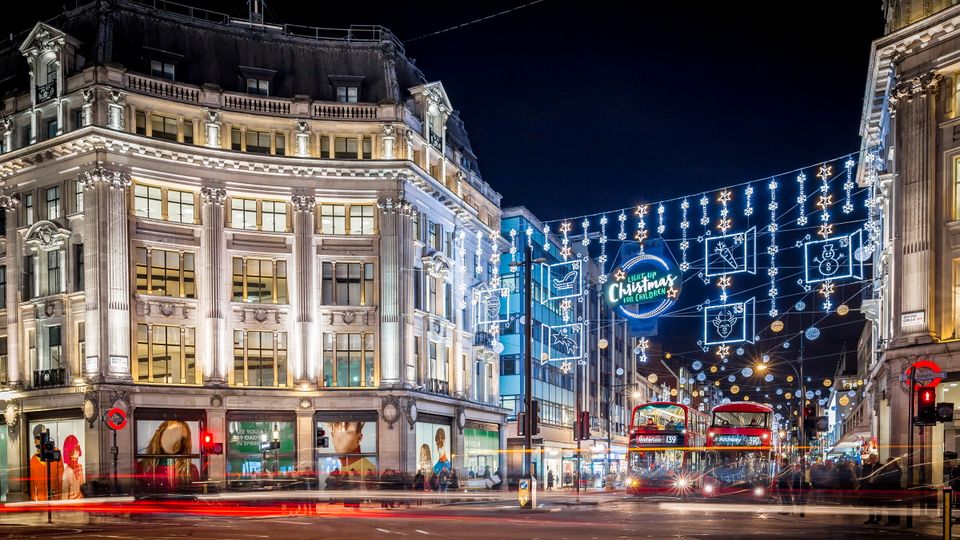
x=741 y=419
x=660 y=417
x=659 y=465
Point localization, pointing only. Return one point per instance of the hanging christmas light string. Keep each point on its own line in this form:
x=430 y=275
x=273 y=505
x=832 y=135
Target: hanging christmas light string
x=530 y=236
x=773 y=249
x=494 y=262
x=848 y=186
x=513 y=245
x=641 y=235
x=602 y=259
x=462 y=266
x=826 y=228
x=478 y=255
x=801 y=199
x=724 y=224
x=873 y=201
x=748 y=205
x=705 y=219
x=546 y=238
x=586 y=232
x=642 y=345
x=684 y=242
x=661 y=226
x=565 y=250
x=731 y=187
x=623 y=226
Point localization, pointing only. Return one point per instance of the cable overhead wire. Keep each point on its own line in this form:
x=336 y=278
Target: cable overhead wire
x=475 y=21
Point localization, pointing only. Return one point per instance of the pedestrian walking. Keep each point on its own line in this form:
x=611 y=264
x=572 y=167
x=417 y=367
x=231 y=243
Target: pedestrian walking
x=418 y=486
x=867 y=487
x=549 y=479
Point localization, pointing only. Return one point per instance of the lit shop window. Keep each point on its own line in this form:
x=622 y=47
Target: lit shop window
x=259 y=359
x=348 y=360
x=166 y=355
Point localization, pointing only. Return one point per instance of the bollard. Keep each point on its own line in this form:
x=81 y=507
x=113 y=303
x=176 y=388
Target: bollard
x=947 y=510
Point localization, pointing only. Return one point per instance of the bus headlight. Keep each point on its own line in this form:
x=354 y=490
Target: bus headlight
x=708 y=489
x=758 y=492
x=681 y=483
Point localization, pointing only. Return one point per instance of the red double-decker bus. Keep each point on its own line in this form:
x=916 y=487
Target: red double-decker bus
x=739 y=457
x=664 y=452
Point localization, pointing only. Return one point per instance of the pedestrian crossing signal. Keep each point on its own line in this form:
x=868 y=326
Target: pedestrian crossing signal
x=322 y=440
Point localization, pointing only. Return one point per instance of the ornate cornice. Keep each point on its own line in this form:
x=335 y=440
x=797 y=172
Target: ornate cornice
x=389 y=205
x=102 y=176
x=304 y=203
x=915 y=87
x=8 y=202
x=210 y=195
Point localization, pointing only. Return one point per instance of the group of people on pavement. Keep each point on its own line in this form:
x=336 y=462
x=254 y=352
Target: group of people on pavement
x=875 y=485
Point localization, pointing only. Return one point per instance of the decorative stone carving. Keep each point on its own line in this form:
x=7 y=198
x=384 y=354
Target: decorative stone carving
x=216 y=400
x=410 y=411
x=437 y=265
x=11 y=415
x=260 y=315
x=210 y=195
x=390 y=410
x=167 y=309
x=91 y=407
x=8 y=202
x=101 y=176
x=390 y=205
x=915 y=87
x=45 y=236
x=304 y=203
x=119 y=398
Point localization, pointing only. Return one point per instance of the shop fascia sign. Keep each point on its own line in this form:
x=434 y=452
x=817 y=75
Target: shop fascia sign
x=643 y=287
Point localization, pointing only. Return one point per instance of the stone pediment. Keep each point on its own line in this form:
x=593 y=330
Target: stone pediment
x=44 y=38
x=437 y=265
x=46 y=235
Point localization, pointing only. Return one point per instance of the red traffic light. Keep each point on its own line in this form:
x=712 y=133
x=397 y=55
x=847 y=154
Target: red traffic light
x=207 y=438
x=928 y=396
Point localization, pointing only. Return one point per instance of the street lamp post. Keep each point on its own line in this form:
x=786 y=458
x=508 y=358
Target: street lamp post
x=528 y=422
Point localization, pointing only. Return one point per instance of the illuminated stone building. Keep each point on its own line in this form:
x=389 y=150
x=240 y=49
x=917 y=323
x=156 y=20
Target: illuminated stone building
x=240 y=229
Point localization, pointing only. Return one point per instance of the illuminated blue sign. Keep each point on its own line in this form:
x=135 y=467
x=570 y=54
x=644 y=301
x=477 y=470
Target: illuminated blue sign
x=644 y=287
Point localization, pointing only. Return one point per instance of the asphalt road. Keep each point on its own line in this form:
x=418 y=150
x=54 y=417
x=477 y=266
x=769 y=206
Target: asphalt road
x=615 y=516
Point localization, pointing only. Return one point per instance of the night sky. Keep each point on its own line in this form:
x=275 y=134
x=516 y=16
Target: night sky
x=579 y=110
x=632 y=103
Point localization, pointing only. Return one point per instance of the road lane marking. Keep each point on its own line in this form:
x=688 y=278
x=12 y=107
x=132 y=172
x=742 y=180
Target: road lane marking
x=421 y=532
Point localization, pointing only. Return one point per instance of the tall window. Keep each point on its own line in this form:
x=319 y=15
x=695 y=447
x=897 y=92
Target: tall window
x=259 y=358
x=258 y=142
x=438 y=363
x=348 y=360
x=165 y=273
x=254 y=214
x=52 y=127
x=280 y=144
x=345 y=147
x=188 y=131
x=53 y=202
x=54 y=262
x=3 y=361
x=28 y=216
x=163 y=127
x=274 y=216
x=78 y=196
x=54 y=353
x=235 y=142
x=29 y=277
x=415 y=224
x=361 y=219
x=348 y=94
x=259 y=281
x=260 y=87
x=78 y=269
x=164 y=70
x=333 y=219
x=140 y=122
x=180 y=206
x=166 y=355
x=347 y=284
x=148 y=201
x=436 y=236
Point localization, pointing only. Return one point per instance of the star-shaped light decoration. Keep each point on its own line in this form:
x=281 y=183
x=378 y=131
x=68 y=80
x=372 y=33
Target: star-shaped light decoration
x=723 y=351
x=825 y=201
x=565 y=227
x=825 y=172
x=565 y=304
x=826 y=289
x=642 y=210
x=724 y=224
x=620 y=275
x=640 y=236
x=723 y=282
x=565 y=367
x=826 y=229
x=672 y=293
x=565 y=252
x=725 y=196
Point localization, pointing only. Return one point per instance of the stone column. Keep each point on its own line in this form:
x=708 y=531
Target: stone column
x=12 y=301
x=392 y=212
x=915 y=102
x=307 y=290
x=89 y=98
x=214 y=300
x=107 y=280
x=8 y=128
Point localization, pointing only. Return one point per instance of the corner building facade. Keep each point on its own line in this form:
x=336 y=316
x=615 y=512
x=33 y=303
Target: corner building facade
x=227 y=227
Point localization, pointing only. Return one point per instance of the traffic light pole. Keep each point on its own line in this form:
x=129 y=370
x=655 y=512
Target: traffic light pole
x=49 y=494
x=528 y=361
x=913 y=389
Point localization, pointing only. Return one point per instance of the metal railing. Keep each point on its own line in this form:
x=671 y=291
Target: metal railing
x=436 y=140
x=49 y=378
x=46 y=91
x=483 y=339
